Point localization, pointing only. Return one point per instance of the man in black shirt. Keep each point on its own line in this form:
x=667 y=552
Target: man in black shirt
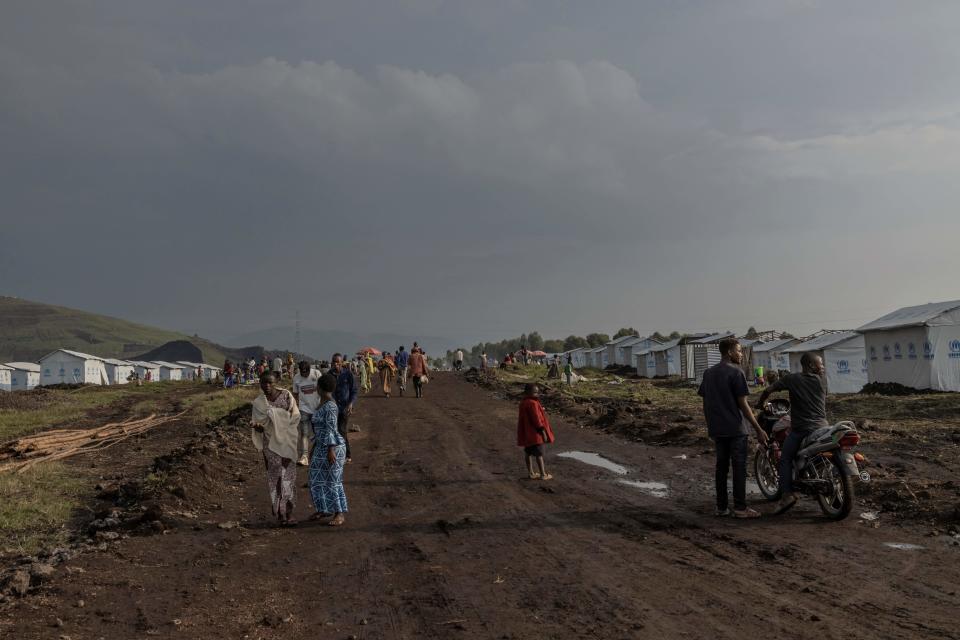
x=724 y=391
x=808 y=411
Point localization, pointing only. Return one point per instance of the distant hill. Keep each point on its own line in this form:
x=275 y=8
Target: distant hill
x=324 y=343
x=30 y=330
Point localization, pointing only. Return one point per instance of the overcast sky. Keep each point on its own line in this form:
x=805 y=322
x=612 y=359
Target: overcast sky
x=479 y=169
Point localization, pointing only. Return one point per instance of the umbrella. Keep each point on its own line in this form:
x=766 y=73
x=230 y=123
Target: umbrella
x=538 y=354
x=370 y=350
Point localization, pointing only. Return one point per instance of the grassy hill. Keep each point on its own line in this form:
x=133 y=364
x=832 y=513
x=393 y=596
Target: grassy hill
x=30 y=330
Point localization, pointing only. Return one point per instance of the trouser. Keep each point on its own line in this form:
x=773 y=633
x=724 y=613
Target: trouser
x=458 y=365
x=787 y=454
x=343 y=421
x=418 y=385
x=732 y=450
x=569 y=378
x=402 y=379
x=306 y=434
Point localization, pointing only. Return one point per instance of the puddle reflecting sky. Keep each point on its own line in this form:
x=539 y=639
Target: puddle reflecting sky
x=655 y=489
x=595 y=460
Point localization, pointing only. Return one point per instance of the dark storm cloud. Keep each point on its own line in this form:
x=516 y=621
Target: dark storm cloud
x=472 y=167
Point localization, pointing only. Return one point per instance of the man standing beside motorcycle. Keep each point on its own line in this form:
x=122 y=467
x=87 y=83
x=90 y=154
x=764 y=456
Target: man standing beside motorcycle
x=808 y=411
x=724 y=391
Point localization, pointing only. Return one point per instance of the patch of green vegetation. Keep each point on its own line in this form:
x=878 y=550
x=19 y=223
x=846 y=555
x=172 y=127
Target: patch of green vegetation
x=35 y=507
x=219 y=402
x=58 y=407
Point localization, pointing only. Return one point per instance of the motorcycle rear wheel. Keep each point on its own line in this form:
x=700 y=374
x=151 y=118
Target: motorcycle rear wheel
x=839 y=503
x=768 y=479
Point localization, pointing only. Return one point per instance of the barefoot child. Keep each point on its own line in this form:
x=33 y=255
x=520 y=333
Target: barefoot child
x=329 y=455
x=533 y=431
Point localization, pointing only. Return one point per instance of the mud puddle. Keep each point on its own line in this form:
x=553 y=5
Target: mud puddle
x=903 y=546
x=596 y=460
x=655 y=489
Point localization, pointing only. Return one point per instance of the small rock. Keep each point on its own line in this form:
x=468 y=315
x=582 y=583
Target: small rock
x=179 y=491
x=107 y=535
x=19 y=582
x=81 y=604
x=364 y=621
x=232 y=524
x=40 y=572
x=57 y=622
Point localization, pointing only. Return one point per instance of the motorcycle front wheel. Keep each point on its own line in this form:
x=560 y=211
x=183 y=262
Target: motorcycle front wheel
x=768 y=479
x=838 y=504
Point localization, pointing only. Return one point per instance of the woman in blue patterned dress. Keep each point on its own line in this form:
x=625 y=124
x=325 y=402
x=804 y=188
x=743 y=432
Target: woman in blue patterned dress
x=329 y=455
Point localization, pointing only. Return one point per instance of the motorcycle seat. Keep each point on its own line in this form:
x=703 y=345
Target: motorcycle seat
x=815 y=435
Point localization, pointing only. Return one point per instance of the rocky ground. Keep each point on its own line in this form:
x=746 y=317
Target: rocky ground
x=445 y=539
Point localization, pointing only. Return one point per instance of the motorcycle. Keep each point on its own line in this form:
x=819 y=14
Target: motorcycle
x=825 y=466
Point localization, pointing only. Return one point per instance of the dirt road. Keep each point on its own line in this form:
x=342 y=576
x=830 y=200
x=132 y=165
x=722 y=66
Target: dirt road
x=445 y=540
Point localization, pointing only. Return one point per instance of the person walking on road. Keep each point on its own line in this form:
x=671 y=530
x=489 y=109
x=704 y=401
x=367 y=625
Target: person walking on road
x=329 y=456
x=278 y=368
x=458 y=360
x=345 y=396
x=725 y=407
x=276 y=422
x=388 y=369
x=808 y=411
x=308 y=400
x=568 y=371
x=364 y=374
x=418 y=371
x=402 y=360
x=533 y=431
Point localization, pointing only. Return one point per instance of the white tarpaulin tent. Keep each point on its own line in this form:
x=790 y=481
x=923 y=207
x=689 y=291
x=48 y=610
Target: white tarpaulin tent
x=612 y=352
x=770 y=356
x=597 y=357
x=917 y=347
x=72 y=367
x=118 y=370
x=637 y=346
x=23 y=375
x=143 y=368
x=667 y=358
x=169 y=371
x=645 y=363
x=577 y=358
x=5 y=374
x=844 y=359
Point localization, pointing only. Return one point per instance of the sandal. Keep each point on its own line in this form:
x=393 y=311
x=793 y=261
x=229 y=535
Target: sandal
x=319 y=516
x=786 y=503
x=746 y=513
x=336 y=522
x=547 y=476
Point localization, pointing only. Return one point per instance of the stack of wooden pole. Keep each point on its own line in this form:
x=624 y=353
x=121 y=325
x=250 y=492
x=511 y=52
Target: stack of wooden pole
x=24 y=453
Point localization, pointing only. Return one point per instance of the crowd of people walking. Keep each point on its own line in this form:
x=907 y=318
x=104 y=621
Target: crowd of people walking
x=309 y=424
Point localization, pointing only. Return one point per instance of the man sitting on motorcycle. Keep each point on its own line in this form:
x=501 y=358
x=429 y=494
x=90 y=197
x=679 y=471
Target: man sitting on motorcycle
x=808 y=411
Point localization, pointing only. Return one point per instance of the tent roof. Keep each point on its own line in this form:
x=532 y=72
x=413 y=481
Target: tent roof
x=716 y=337
x=666 y=345
x=822 y=342
x=773 y=345
x=117 y=363
x=23 y=366
x=75 y=354
x=144 y=363
x=168 y=365
x=917 y=316
x=5 y=367
x=621 y=339
x=748 y=342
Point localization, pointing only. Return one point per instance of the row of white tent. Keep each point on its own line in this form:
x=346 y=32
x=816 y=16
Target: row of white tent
x=64 y=366
x=917 y=347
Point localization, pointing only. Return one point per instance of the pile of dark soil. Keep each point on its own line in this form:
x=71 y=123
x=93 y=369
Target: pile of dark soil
x=29 y=400
x=894 y=389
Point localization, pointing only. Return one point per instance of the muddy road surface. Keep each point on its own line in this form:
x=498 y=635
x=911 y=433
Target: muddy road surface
x=445 y=539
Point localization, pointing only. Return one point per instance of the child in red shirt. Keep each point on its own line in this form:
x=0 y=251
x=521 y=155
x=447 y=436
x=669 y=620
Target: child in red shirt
x=533 y=431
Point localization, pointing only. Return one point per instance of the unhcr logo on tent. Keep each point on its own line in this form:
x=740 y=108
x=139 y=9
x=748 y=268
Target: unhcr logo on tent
x=912 y=351
x=896 y=351
x=873 y=353
x=886 y=352
x=955 y=348
x=843 y=367
x=927 y=350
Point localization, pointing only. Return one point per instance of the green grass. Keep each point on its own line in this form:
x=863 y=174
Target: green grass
x=35 y=507
x=60 y=407
x=210 y=406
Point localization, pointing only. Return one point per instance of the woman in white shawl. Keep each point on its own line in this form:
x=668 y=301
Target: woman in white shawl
x=276 y=424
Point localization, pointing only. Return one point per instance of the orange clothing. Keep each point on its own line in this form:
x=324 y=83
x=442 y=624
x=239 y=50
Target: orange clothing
x=417 y=364
x=532 y=419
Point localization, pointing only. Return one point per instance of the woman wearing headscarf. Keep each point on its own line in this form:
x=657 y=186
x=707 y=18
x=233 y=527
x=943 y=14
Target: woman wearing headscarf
x=387 y=370
x=329 y=456
x=276 y=422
